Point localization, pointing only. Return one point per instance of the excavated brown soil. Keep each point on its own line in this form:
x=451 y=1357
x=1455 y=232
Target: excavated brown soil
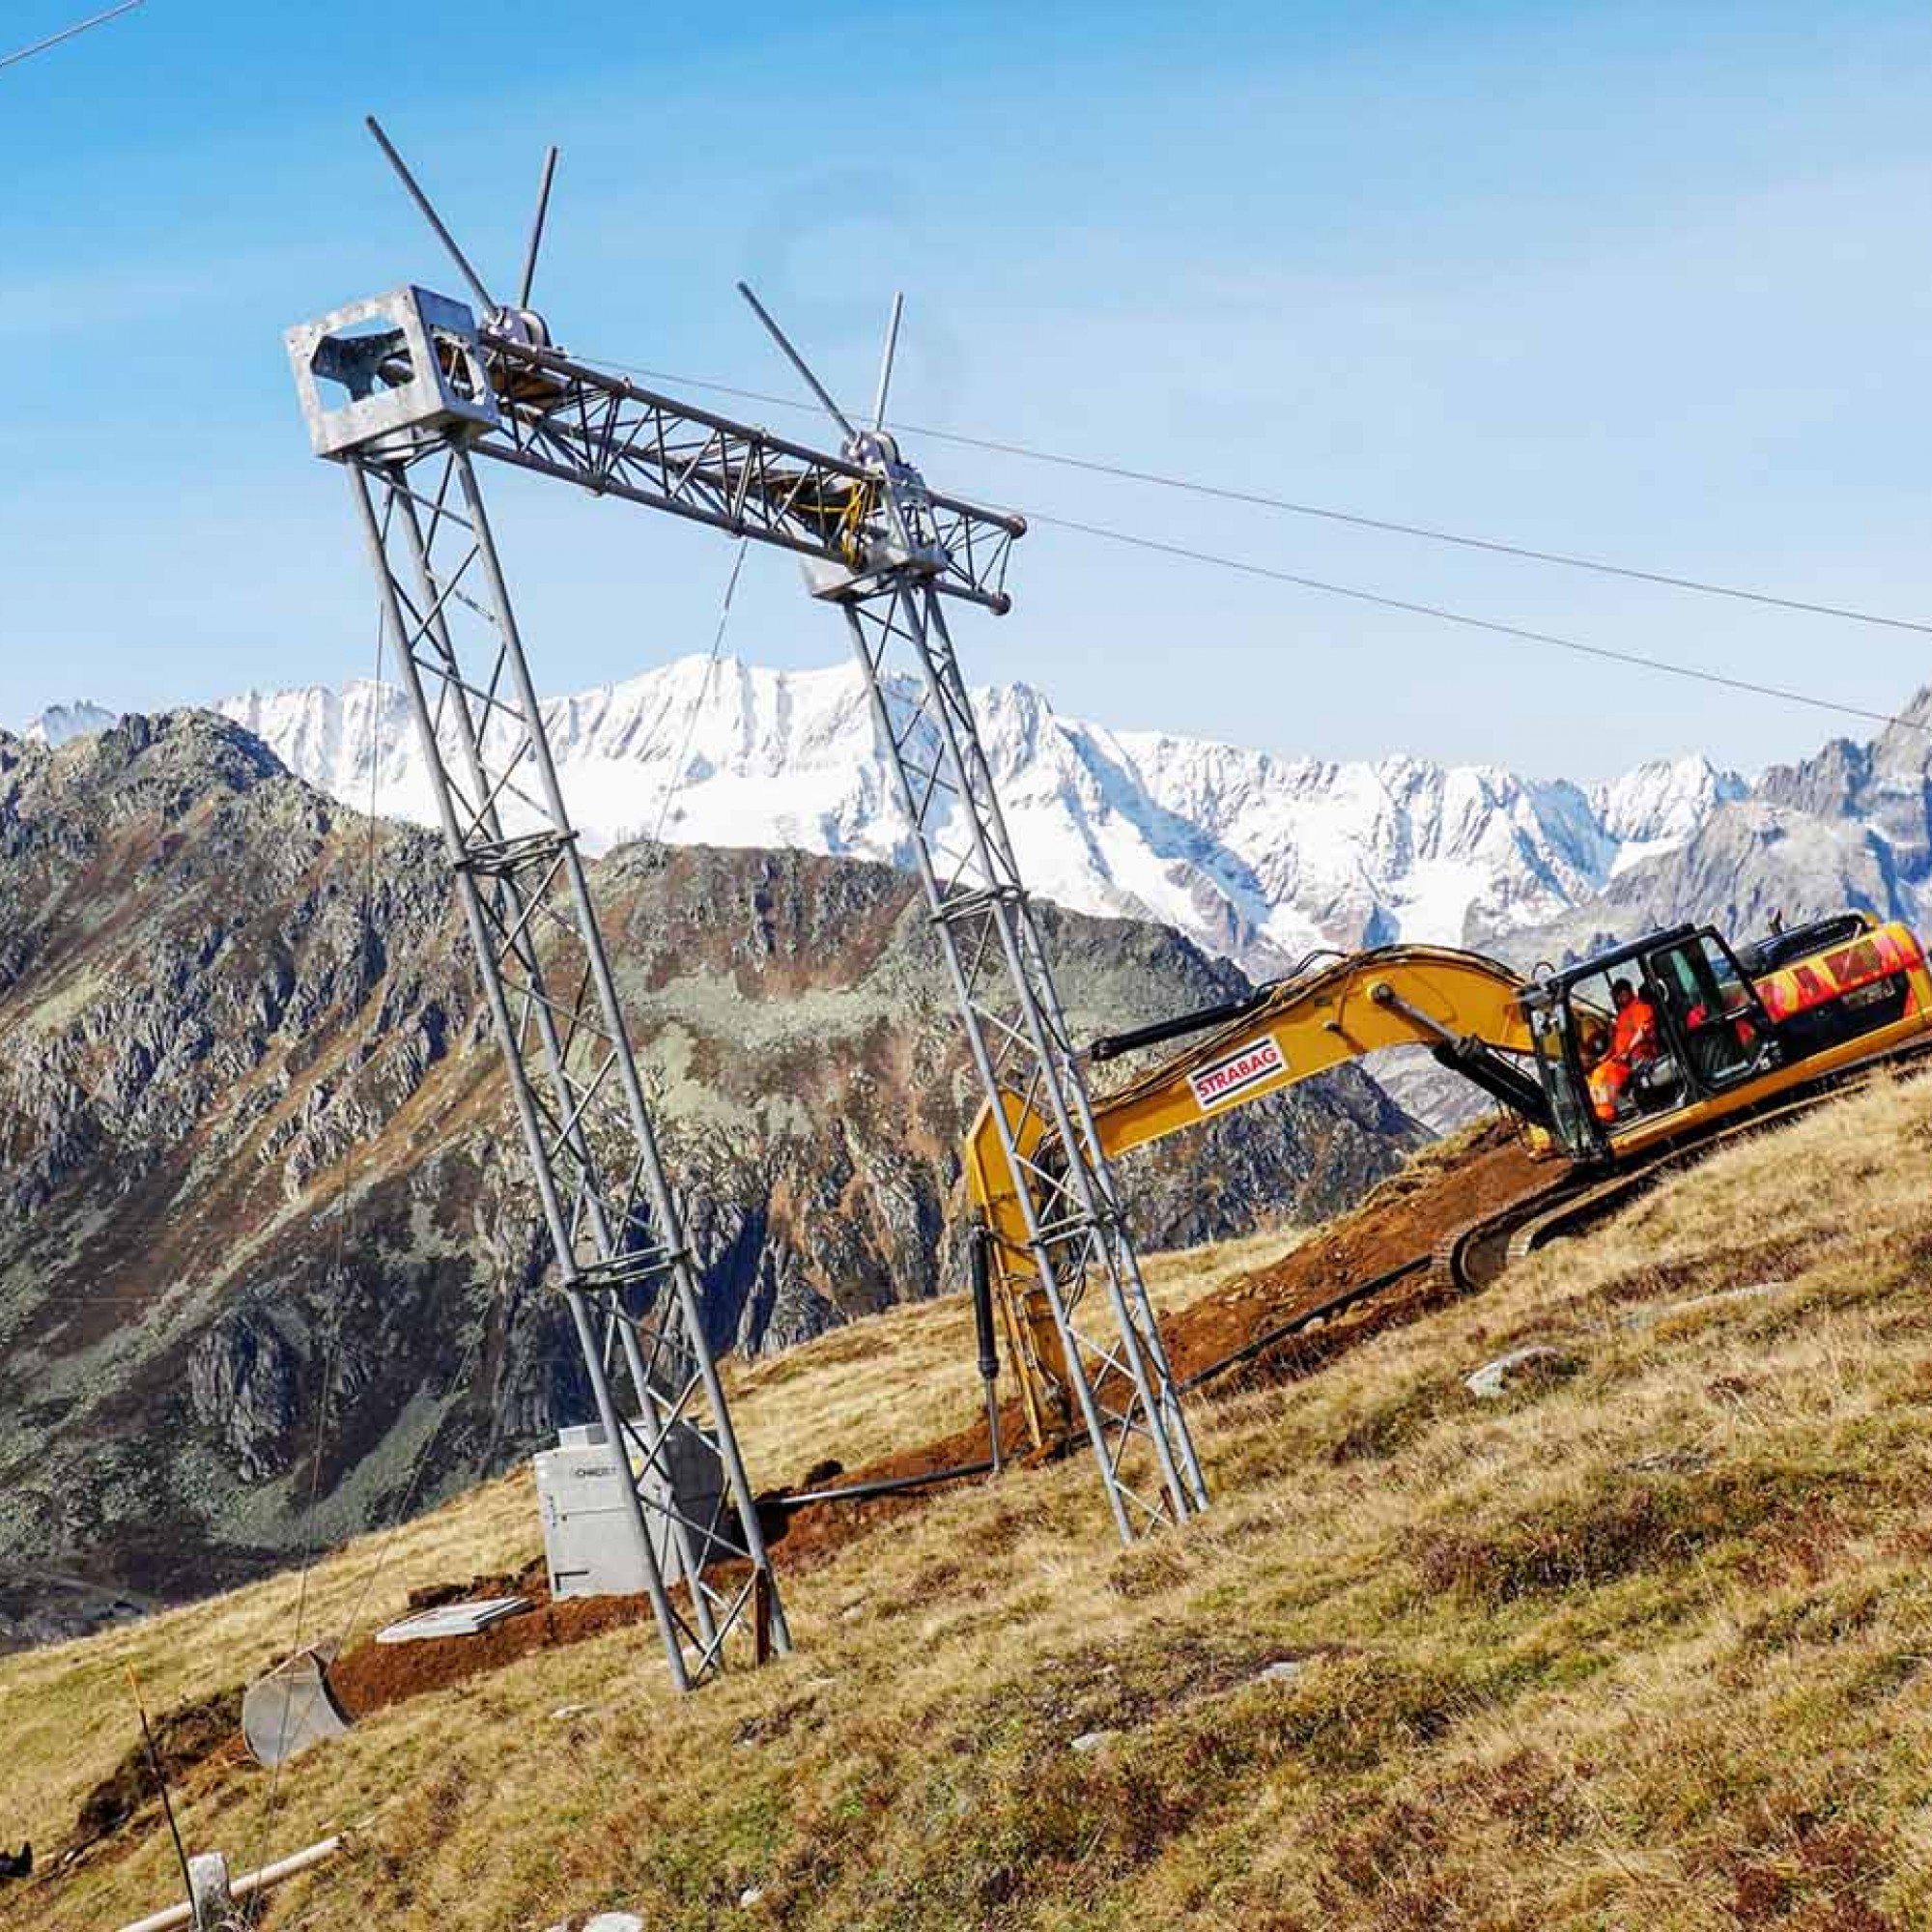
x=1407 y=1218
x=374 y=1674
x=206 y=1731
x=1412 y=1217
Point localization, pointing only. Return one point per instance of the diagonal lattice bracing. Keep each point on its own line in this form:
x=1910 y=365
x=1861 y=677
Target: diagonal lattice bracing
x=425 y=385
x=624 y=1266
x=1112 y=1371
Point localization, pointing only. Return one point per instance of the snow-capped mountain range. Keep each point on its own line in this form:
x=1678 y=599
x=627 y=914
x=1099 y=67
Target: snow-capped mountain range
x=1255 y=856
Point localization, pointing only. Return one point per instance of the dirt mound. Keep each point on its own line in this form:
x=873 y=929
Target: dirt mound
x=374 y=1674
x=530 y=1580
x=1408 y=1219
x=190 y=1735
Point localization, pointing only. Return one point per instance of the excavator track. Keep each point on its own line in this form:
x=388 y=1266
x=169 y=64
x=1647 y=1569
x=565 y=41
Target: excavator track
x=1471 y=1256
x=1476 y=1254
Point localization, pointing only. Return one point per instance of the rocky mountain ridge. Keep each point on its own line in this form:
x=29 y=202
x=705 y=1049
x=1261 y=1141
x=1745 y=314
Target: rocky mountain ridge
x=260 y=1188
x=1255 y=858
x=1849 y=827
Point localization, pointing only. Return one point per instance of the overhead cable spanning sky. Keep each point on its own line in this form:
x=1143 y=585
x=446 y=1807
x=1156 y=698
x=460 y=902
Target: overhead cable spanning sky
x=1627 y=287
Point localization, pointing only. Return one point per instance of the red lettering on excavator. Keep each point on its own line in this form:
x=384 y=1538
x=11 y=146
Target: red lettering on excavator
x=1236 y=1072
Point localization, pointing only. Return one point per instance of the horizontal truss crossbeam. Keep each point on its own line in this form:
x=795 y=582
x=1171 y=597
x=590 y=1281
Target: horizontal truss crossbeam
x=584 y=425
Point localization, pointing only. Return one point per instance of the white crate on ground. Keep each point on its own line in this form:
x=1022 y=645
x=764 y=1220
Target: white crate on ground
x=587 y=1543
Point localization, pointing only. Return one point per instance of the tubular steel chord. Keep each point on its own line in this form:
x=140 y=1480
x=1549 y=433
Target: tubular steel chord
x=626 y=1271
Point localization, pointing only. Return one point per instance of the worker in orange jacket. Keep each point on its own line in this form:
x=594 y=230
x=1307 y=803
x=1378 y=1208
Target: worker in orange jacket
x=1633 y=1044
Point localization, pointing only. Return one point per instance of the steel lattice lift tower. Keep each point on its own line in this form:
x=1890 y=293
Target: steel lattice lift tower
x=405 y=390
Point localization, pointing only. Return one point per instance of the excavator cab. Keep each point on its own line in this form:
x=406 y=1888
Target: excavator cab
x=1708 y=1032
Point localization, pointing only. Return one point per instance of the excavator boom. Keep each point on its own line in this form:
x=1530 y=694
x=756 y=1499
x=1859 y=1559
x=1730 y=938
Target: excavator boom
x=1463 y=1008
x=1458 y=1003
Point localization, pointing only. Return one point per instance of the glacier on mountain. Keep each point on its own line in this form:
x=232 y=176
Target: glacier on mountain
x=1256 y=856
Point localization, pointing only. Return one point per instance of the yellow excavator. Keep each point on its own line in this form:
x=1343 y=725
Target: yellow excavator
x=1650 y=1042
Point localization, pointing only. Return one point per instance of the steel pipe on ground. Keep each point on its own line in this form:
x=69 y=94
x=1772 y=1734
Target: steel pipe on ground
x=245 y=1886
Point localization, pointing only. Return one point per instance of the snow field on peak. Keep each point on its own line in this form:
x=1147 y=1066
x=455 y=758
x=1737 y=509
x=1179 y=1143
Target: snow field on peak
x=60 y=724
x=1254 y=856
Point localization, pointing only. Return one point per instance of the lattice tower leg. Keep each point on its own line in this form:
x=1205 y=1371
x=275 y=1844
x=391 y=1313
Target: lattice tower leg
x=614 y=1224
x=1114 y=1362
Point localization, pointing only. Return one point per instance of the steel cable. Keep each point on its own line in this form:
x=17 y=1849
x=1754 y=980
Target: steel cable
x=1522 y=633
x=697 y=702
x=363 y=985
x=1358 y=519
x=68 y=33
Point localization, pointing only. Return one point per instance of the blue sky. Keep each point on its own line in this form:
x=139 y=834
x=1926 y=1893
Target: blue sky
x=1646 y=282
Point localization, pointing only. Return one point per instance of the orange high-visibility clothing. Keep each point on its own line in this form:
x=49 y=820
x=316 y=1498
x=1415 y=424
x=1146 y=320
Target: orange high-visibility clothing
x=1607 y=1080
x=1633 y=1037
x=1633 y=1044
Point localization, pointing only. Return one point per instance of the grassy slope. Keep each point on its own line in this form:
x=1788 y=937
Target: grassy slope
x=1646 y=1644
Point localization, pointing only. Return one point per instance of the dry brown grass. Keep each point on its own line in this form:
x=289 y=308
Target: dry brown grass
x=892 y=1381
x=1644 y=1645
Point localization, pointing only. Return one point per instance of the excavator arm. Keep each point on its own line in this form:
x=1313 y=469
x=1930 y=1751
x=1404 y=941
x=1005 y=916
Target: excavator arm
x=1466 y=1009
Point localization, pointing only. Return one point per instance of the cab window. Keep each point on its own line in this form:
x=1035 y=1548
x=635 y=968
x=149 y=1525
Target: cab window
x=1570 y=1119
x=1624 y=1046
x=1711 y=1009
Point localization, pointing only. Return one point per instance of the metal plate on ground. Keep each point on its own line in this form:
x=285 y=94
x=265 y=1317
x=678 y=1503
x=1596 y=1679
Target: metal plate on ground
x=453 y=1620
x=289 y=1710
